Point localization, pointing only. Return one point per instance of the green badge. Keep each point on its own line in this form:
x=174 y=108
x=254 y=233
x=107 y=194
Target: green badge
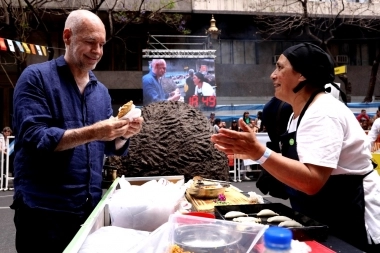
x=291 y=142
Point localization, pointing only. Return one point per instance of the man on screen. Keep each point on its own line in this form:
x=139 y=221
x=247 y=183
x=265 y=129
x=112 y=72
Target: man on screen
x=189 y=86
x=152 y=88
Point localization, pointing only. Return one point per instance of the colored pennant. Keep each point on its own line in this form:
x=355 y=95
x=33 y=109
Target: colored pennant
x=11 y=46
x=2 y=45
x=44 y=50
x=32 y=48
x=19 y=46
x=38 y=49
x=26 y=47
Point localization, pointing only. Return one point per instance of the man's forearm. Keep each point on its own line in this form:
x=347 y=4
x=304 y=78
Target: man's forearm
x=75 y=137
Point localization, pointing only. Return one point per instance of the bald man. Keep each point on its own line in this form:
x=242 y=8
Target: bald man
x=152 y=88
x=64 y=127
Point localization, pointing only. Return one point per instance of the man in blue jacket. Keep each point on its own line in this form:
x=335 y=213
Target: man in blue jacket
x=64 y=127
x=152 y=87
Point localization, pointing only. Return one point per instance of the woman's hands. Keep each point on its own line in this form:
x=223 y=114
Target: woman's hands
x=243 y=143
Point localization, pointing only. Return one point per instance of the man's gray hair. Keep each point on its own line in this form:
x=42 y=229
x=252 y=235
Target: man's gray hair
x=75 y=19
x=157 y=61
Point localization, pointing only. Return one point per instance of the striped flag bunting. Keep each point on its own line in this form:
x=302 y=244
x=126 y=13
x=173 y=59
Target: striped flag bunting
x=13 y=46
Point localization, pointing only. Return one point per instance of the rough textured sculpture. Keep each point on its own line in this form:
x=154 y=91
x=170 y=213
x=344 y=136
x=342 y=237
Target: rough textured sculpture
x=175 y=140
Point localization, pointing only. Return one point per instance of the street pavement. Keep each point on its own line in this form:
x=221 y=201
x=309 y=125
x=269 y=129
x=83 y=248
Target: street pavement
x=7 y=232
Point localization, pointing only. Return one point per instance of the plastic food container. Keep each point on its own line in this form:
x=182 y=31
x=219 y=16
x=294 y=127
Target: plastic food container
x=198 y=234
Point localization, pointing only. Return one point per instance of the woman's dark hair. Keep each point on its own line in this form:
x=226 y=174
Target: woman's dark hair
x=217 y=121
x=200 y=76
x=248 y=119
x=259 y=114
x=234 y=126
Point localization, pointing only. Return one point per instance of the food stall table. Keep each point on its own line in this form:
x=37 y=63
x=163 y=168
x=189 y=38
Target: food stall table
x=100 y=217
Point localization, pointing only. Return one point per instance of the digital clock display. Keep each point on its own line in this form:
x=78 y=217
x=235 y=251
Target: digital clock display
x=203 y=101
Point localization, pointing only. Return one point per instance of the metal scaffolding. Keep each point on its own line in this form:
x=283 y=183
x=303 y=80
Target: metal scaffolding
x=191 y=41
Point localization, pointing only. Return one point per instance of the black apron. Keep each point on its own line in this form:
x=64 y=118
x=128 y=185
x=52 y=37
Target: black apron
x=340 y=202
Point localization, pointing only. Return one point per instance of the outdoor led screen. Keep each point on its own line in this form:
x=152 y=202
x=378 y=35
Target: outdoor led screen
x=195 y=90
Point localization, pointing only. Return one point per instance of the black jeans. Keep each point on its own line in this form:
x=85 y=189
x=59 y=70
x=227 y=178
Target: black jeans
x=39 y=230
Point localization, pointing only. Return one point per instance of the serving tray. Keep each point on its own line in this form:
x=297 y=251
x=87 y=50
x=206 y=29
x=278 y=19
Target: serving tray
x=311 y=230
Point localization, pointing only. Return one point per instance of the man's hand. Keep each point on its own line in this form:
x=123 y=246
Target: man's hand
x=134 y=127
x=110 y=129
x=175 y=95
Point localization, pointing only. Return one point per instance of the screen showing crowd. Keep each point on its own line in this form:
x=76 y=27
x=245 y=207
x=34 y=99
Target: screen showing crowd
x=189 y=80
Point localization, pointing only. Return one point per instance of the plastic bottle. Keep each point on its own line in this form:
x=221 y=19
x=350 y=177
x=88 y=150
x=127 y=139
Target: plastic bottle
x=277 y=239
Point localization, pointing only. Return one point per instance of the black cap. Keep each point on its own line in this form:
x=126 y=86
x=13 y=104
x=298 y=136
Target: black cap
x=312 y=62
x=200 y=76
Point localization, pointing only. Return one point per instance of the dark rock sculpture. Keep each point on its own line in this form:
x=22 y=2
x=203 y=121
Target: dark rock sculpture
x=174 y=140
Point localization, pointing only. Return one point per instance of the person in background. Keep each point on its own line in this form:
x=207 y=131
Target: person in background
x=326 y=159
x=234 y=126
x=247 y=120
x=373 y=134
x=275 y=118
x=202 y=88
x=152 y=87
x=217 y=125
x=63 y=122
x=376 y=116
x=363 y=116
x=365 y=124
x=258 y=121
x=7 y=131
x=189 y=86
x=212 y=118
x=223 y=124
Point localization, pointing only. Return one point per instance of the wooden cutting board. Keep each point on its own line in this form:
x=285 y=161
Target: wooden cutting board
x=233 y=197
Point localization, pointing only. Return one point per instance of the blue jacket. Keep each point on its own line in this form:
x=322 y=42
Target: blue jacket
x=46 y=102
x=152 y=89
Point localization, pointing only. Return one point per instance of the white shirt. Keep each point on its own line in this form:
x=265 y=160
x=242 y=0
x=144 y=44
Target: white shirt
x=206 y=90
x=375 y=131
x=329 y=135
x=2 y=142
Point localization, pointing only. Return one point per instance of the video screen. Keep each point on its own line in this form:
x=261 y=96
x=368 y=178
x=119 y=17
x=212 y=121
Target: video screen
x=189 y=80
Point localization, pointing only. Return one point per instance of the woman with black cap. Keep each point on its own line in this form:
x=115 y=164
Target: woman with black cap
x=326 y=159
x=202 y=88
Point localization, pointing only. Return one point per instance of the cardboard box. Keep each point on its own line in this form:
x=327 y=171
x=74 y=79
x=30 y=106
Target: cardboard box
x=100 y=217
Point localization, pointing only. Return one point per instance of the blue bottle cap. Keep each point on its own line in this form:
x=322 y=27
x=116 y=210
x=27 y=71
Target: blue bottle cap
x=277 y=238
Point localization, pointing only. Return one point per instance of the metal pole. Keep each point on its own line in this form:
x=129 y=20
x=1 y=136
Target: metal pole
x=2 y=170
x=7 y=178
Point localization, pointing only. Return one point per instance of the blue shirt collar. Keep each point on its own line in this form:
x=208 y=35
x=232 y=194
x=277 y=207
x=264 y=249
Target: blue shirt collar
x=61 y=62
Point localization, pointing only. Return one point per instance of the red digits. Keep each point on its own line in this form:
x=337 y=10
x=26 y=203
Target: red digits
x=212 y=101
x=193 y=101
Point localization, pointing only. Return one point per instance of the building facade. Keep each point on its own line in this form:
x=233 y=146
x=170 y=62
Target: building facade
x=244 y=61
